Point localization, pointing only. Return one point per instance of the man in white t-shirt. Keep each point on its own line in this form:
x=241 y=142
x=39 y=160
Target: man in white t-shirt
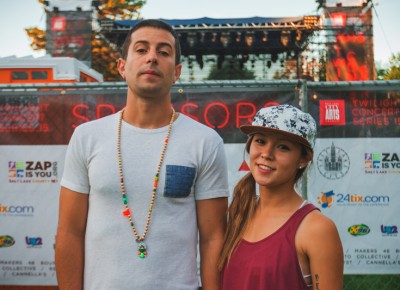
x=141 y=187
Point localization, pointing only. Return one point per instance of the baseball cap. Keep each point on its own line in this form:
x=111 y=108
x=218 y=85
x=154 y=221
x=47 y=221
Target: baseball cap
x=286 y=120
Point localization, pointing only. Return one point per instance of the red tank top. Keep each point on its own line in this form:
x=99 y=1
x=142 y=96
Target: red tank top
x=271 y=263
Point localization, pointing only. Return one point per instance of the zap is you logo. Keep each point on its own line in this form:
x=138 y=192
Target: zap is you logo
x=32 y=172
x=358 y=230
x=381 y=163
x=332 y=113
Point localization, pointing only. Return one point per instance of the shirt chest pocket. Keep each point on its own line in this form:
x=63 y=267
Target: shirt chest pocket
x=179 y=180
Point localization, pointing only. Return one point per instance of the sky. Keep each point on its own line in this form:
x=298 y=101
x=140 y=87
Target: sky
x=17 y=15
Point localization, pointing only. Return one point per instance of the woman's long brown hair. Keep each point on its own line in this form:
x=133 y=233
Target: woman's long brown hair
x=240 y=211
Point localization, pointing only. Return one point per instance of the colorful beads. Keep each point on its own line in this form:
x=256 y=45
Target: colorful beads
x=142 y=250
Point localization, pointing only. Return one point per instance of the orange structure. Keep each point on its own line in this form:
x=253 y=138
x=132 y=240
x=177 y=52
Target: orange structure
x=46 y=69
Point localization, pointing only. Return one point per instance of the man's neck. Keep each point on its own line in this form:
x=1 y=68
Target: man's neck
x=148 y=117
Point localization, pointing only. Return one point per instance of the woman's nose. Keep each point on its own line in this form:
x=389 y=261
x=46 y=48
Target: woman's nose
x=267 y=153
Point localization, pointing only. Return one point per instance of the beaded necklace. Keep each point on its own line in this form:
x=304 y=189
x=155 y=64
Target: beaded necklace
x=142 y=248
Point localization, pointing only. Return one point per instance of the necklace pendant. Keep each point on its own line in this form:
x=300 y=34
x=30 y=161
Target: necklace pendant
x=142 y=250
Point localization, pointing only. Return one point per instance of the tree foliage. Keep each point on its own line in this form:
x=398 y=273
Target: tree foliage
x=393 y=72
x=380 y=71
x=104 y=54
x=230 y=70
x=104 y=57
x=119 y=9
x=38 y=37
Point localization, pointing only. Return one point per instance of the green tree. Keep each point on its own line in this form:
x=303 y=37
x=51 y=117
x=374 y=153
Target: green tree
x=230 y=70
x=104 y=53
x=381 y=70
x=393 y=72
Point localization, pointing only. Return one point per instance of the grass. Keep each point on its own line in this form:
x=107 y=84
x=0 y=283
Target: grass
x=371 y=282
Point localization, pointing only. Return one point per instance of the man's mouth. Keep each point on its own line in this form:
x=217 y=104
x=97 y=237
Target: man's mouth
x=151 y=72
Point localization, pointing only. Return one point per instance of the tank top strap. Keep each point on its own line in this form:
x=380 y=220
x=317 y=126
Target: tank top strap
x=296 y=219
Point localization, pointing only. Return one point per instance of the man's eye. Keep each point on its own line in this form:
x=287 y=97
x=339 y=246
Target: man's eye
x=140 y=50
x=164 y=53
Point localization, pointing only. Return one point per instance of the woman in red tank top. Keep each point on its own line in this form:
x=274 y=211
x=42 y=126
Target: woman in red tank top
x=276 y=239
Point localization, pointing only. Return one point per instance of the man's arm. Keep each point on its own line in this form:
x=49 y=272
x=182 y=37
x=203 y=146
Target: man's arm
x=211 y=219
x=70 y=239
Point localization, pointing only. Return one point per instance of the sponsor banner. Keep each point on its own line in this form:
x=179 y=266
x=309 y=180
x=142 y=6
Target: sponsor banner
x=356 y=114
x=43 y=119
x=55 y=117
x=355 y=182
x=29 y=194
x=353 y=179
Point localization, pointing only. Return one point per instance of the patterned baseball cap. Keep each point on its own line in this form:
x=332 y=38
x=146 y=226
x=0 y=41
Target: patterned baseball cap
x=285 y=120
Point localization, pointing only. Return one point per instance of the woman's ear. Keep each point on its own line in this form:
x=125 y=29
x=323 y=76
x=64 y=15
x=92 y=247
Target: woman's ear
x=307 y=159
x=248 y=143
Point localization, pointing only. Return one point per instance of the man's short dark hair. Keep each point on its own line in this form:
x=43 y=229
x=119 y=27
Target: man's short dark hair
x=155 y=23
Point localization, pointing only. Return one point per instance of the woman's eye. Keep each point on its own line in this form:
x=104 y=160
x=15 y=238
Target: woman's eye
x=284 y=147
x=259 y=141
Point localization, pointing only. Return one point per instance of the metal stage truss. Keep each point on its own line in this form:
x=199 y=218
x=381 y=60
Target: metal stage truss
x=236 y=36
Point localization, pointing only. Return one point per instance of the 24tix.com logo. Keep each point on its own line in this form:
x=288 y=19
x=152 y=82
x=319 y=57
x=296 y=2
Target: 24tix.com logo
x=329 y=198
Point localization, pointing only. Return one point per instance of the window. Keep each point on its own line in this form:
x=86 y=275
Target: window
x=19 y=75
x=39 y=75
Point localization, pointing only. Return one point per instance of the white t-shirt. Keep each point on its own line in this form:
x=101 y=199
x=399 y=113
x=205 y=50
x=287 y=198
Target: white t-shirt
x=194 y=168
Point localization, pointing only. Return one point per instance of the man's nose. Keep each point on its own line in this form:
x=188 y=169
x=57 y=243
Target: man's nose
x=152 y=56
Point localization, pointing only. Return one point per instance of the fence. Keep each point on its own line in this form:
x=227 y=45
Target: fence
x=355 y=116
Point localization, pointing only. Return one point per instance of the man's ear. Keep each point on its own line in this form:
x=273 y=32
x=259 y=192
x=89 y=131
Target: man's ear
x=178 y=70
x=121 y=67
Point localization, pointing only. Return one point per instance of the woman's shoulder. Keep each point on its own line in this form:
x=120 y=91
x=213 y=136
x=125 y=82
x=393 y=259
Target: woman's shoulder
x=317 y=221
x=318 y=230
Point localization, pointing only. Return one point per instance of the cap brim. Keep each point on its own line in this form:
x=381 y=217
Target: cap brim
x=250 y=130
